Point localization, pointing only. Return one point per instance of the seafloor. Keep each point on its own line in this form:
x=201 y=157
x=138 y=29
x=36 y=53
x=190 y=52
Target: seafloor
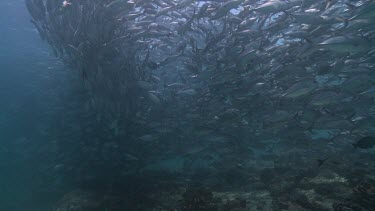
x=329 y=187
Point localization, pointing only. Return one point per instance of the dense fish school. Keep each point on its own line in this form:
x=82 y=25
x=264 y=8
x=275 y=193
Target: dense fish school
x=217 y=105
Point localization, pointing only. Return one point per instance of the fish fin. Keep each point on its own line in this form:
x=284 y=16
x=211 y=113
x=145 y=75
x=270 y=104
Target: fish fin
x=345 y=21
x=329 y=4
x=286 y=13
x=350 y=6
x=321 y=161
x=307 y=52
x=349 y=118
x=283 y=35
x=308 y=39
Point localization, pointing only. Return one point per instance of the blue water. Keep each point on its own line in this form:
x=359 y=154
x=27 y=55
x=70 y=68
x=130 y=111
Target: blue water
x=32 y=84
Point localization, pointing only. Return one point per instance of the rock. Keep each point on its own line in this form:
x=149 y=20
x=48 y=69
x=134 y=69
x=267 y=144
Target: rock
x=199 y=199
x=364 y=194
x=83 y=200
x=251 y=201
x=79 y=200
x=346 y=207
